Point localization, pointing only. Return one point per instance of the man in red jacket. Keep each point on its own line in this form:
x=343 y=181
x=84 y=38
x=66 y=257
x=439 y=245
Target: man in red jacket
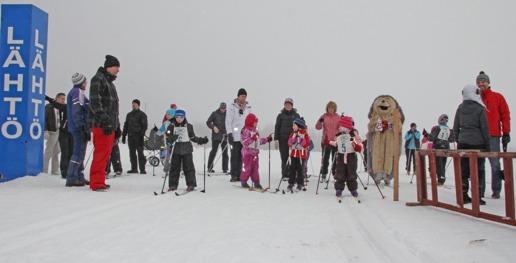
x=499 y=122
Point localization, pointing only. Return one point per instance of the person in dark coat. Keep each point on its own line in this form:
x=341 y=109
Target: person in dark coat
x=282 y=131
x=441 y=136
x=103 y=119
x=114 y=160
x=471 y=130
x=181 y=134
x=59 y=140
x=217 y=123
x=135 y=126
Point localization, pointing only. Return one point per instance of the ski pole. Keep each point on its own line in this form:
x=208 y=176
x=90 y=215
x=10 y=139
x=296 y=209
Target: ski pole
x=281 y=180
x=332 y=165
x=360 y=179
x=269 y=187
x=168 y=171
x=204 y=166
x=320 y=171
x=218 y=157
x=377 y=186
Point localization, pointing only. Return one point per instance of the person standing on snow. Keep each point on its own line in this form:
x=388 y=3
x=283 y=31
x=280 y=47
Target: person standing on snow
x=103 y=118
x=282 y=130
x=54 y=118
x=412 y=143
x=329 y=123
x=348 y=143
x=217 y=123
x=251 y=140
x=235 y=117
x=77 y=105
x=298 y=142
x=181 y=134
x=441 y=136
x=472 y=132
x=499 y=121
x=135 y=126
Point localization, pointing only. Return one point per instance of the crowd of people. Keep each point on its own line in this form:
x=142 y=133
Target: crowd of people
x=482 y=122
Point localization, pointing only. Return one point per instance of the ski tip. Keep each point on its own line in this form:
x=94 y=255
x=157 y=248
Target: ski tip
x=176 y=194
x=283 y=191
x=155 y=193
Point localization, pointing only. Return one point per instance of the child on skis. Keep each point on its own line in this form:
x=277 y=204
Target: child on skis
x=348 y=143
x=250 y=141
x=180 y=134
x=441 y=136
x=298 y=141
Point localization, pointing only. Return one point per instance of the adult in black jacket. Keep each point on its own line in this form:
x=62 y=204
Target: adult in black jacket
x=103 y=119
x=181 y=134
x=471 y=130
x=135 y=126
x=217 y=123
x=65 y=137
x=282 y=130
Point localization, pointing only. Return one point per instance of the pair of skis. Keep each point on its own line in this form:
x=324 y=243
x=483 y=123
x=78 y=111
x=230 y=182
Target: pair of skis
x=339 y=199
x=177 y=193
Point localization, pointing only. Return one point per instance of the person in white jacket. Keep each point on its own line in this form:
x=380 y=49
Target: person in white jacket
x=235 y=118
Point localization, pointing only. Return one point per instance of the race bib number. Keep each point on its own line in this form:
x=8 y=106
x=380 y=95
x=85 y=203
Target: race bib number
x=344 y=144
x=444 y=134
x=182 y=133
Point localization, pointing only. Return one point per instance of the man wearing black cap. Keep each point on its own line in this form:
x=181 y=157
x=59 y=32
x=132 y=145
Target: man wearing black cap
x=235 y=118
x=135 y=126
x=283 y=129
x=217 y=123
x=103 y=119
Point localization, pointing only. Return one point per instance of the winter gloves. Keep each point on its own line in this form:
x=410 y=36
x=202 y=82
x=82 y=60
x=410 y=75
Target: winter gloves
x=118 y=133
x=506 y=139
x=155 y=129
x=203 y=140
x=269 y=138
x=85 y=136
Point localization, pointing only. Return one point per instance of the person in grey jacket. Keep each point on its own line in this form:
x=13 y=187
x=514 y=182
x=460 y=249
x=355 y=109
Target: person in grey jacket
x=217 y=123
x=471 y=130
x=283 y=129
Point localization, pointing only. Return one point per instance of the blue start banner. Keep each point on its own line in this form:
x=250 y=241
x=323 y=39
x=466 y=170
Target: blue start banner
x=23 y=60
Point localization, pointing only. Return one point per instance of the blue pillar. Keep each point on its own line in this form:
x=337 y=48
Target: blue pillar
x=23 y=57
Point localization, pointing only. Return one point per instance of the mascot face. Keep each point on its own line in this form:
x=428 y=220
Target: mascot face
x=384 y=105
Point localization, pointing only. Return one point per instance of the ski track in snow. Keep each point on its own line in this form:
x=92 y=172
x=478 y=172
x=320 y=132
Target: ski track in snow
x=42 y=221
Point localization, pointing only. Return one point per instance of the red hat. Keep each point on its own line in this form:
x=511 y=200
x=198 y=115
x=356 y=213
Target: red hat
x=173 y=106
x=250 y=120
x=346 y=122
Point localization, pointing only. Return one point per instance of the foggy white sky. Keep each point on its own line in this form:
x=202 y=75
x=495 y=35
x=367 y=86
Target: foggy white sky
x=197 y=53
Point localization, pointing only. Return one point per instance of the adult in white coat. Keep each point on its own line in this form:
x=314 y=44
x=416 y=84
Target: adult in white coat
x=235 y=118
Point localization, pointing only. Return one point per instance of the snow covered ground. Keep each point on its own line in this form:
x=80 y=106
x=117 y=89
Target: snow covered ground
x=43 y=221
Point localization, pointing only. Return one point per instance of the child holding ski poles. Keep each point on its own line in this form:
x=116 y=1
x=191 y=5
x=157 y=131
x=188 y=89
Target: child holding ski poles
x=298 y=142
x=441 y=136
x=251 y=140
x=180 y=133
x=348 y=144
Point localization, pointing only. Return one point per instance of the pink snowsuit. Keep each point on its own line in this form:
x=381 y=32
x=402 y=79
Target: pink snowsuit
x=250 y=141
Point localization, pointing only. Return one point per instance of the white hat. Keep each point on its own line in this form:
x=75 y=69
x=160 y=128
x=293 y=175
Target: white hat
x=472 y=92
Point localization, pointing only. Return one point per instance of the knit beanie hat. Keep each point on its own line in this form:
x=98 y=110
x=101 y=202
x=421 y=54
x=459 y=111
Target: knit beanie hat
x=111 y=61
x=242 y=92
x=443 y=119
x=346 y=122
x=250 y=120
x=289 y=100
x=78 y=79
x=171 y=112
x=300 y=122
x=483 y=77
x=180 y=113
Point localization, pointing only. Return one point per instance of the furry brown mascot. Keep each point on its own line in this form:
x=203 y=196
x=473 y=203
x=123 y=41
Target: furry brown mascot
x=384 y=140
